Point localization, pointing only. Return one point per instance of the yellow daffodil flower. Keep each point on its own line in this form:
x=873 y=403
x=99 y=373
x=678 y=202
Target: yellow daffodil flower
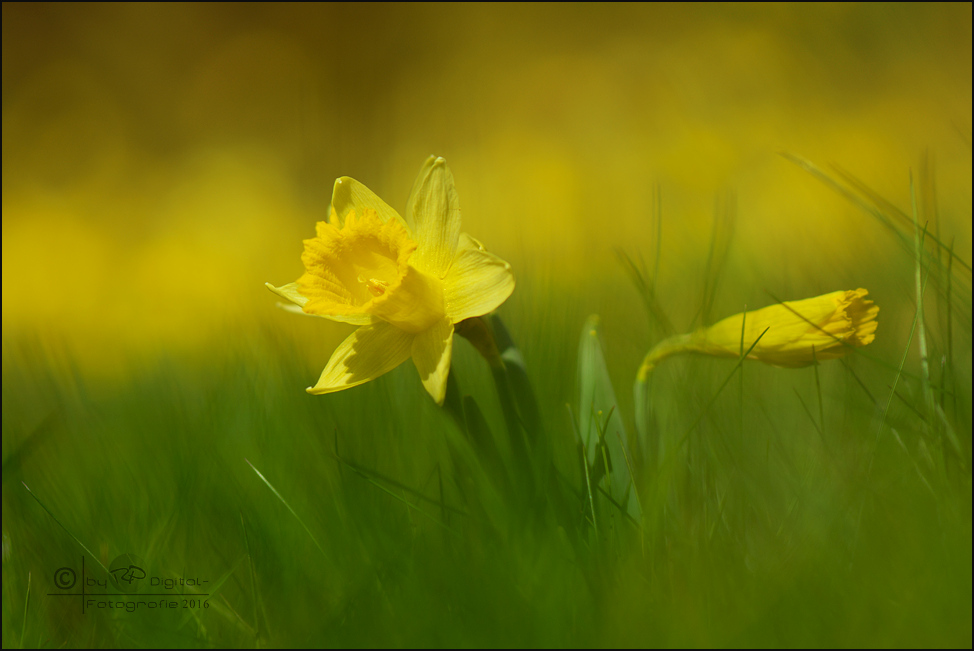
x=798 y=332
x=406 y=282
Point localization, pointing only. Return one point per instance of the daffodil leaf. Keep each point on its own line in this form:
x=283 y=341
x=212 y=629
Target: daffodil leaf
x=289 y=292
x=600 y=423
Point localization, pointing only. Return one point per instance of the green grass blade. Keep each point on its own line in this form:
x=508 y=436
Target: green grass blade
x=410 y=505
x=862 y=385
x=949 y=357
x=284 y=502
x=370 y=475
x=193 y=613
x=253 y=582
x=720 y=239
x=818 y=390
x=584 y=458
x=703 y=412
x=811 y=419
x=740 y=371
x=23 y=627
x=632 y=487
x=892 y=389
x=646 y=286
x=921 y=319
x=73 y=537
x=880 y=208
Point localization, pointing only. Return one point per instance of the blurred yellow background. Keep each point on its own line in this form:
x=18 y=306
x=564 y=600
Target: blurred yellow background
x=161 y=162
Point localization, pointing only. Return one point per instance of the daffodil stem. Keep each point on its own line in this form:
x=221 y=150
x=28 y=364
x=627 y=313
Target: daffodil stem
x=453 y=402
x=640 y=394
x=477 y=332
x=483 y=440
x=524 y=396
x=669 y=346
x=517 y=399
x=519 y=448
x=470 y=420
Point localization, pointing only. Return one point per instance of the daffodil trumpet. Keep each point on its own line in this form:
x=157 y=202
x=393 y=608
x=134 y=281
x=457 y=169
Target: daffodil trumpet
x=796 y=333
x=405 y=281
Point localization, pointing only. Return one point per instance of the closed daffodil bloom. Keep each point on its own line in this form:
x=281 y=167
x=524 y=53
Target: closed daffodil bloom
x=797 y=332
x=405 y=282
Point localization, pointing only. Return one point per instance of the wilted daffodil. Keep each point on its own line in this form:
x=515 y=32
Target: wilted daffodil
x=798 y=332
x=406 y=282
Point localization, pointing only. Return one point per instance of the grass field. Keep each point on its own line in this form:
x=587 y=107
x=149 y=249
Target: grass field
x=829 y=505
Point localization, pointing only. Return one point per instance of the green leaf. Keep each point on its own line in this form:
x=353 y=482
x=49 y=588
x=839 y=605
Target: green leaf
x=600 y=425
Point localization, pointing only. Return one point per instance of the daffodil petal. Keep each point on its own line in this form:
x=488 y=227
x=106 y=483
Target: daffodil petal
x=432 y=351
x=290 y=292
x=369 y=352
x=293 y=309
x=348 y=195
x=477 y=283
x=433 y=214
